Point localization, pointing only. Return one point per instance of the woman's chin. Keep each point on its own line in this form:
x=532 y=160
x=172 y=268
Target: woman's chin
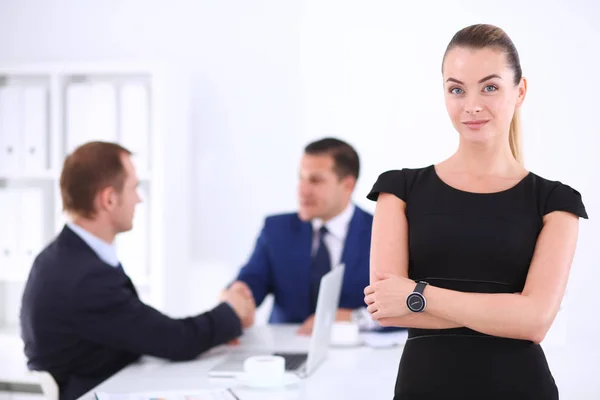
x=477 y=138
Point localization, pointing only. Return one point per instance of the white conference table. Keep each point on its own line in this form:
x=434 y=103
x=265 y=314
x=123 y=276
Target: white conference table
x=350 y=373
x=347 y=373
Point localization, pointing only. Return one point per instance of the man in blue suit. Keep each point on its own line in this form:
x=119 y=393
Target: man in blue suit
x=295 y=250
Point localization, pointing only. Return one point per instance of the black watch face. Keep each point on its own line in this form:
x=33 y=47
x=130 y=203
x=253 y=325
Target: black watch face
x=415 y=302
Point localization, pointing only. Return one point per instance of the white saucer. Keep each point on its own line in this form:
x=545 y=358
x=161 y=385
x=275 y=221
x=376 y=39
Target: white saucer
x=288 y=379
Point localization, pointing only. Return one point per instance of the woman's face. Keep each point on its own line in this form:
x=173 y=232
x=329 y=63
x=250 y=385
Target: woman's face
x=480 y=93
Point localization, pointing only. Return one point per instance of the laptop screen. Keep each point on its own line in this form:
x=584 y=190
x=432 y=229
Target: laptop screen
x=327 y=304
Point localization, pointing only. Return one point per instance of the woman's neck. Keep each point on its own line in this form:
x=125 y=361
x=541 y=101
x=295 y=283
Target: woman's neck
x=485 y=160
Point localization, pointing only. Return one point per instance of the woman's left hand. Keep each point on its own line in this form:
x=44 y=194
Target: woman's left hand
x=387 y=297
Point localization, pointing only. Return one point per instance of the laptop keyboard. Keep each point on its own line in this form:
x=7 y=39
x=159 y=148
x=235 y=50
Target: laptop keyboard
x=293 y=361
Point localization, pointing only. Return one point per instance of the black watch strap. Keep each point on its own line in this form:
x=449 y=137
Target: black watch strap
x=420 y=287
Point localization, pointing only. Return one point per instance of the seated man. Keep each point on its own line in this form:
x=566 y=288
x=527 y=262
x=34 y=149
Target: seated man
x=81 y=318
x=295 y=250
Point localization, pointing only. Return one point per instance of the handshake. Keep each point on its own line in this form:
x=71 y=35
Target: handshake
x=240 y=298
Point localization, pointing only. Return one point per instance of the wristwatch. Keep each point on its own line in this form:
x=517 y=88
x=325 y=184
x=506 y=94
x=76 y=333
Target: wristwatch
x=416 y=301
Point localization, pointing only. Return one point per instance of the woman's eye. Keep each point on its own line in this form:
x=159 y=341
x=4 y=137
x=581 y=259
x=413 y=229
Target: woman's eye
x=490 y=88
x=456 y=90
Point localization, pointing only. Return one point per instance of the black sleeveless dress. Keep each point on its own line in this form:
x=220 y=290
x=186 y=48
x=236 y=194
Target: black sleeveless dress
x=473 y=242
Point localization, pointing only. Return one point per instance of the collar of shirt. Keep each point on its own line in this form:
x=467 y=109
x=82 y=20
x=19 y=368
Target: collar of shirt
x=338 y=225
x=105 y=251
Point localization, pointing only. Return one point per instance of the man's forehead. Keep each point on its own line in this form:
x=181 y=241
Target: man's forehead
x=316 y=169
x=128 y=167
x=315 y=173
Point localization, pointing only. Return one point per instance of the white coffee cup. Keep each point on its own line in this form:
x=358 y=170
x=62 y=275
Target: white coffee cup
x=264 y=370
x=345 y=333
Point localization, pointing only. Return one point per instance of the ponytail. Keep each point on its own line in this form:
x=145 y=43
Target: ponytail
x=514 y=137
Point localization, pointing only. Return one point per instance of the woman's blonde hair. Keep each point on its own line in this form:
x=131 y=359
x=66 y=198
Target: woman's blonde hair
x=514 y=137
x=481 y=36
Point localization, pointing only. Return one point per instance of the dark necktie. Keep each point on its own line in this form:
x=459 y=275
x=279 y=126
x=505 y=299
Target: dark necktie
x=321 y=264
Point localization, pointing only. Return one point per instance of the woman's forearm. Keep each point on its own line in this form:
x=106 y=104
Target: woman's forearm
x=505 y=315
x=419 y=320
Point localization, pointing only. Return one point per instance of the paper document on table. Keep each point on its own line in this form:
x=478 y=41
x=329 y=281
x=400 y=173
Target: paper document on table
x=213 y=394
x=384 y=339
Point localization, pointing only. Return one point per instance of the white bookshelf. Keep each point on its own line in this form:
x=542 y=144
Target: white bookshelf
x=46 y=111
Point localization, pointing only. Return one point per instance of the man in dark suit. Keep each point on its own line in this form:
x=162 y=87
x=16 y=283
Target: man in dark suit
x=81 y=318
x=295 y=250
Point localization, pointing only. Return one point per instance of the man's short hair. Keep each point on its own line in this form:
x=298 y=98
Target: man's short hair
x=346 y=161
x=86 y=171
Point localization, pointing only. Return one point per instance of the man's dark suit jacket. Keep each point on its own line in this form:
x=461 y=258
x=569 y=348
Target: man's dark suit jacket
x=82 y=320
x=280 y=264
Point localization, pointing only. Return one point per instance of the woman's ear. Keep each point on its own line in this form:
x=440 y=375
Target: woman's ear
x=521 y=92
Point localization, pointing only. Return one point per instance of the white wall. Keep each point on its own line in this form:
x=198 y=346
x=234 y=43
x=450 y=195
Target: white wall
x=268 y=76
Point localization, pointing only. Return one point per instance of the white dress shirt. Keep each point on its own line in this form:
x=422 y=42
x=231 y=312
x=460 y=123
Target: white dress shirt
x=335 y=239
x=105 y=251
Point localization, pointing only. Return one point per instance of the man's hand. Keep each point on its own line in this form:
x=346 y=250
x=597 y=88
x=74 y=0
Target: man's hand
x=241 y=287
x=307 y=326
x=239 y=296
x=343 y=314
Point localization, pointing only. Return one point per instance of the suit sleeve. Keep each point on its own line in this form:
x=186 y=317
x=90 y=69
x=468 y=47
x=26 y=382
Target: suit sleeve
x=257 y=273
x=112 y=315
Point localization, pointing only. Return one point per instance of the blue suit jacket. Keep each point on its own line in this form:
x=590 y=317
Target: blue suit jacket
x=280 y=264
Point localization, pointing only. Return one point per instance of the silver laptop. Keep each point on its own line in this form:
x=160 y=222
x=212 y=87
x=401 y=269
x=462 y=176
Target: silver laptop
x=303 y=364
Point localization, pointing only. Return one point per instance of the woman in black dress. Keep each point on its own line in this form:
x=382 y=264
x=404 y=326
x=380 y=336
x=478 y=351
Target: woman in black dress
x=492 y=243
